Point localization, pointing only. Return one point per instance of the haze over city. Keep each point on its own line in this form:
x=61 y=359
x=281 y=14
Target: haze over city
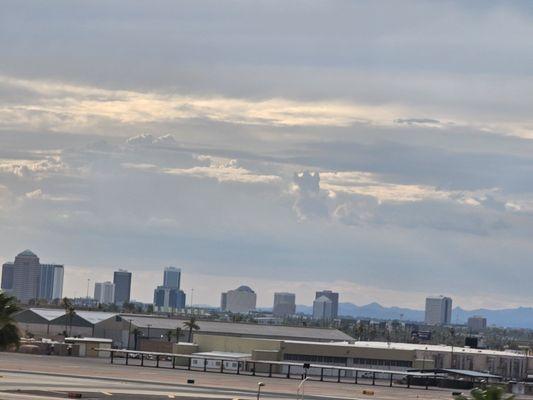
x=386 y=155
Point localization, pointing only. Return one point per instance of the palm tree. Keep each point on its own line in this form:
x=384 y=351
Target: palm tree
x=192 y=325
x=494 y=392
x=178 y=334
x=70 y=311
x=9 y=333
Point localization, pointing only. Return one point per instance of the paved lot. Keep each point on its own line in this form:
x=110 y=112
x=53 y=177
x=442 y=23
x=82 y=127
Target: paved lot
x=49 y=374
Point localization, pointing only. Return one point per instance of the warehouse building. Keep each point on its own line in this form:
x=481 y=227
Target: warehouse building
x=371 y=355
x=53 y=322
x=120 y=326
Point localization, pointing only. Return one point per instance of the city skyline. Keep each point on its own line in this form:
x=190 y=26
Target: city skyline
x=386 y=155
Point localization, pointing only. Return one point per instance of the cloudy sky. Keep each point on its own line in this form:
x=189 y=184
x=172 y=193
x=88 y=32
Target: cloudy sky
x=383 y=149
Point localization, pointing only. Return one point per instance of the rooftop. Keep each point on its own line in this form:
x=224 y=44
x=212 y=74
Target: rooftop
x=27 y=253
x=421 y=347
x=280 y=332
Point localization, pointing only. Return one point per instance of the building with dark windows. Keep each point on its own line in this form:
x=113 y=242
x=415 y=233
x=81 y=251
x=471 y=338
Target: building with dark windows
x=27 y=279
x=172 y=277
x=169 y=297
x=7 y=277
x=122 y=281
x=284 y=304
x=334 y=297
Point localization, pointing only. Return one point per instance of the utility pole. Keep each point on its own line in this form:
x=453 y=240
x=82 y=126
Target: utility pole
x=88 y=281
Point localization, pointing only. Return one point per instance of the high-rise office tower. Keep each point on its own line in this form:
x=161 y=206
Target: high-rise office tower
x=26 y=272
x=51 y=282
x=477 y=323
x=241 y=300
x=323 y=308
x=284 y=304
x=27 y=279
x=104 y=292
x=122 y=281
x=334 y=297
x=224 y=301
x=438 y=310
x=172 y=277
x=169 y=299
x=7 y=277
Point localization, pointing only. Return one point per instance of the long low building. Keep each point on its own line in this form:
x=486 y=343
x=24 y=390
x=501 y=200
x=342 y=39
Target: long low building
x=54 y=322
x=373 y=355
x=121 y=328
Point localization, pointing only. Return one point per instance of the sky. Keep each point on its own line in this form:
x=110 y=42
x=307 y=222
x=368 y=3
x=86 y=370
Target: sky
x=379 y=148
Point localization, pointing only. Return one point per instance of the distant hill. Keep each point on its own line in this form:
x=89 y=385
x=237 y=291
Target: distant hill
x=521 y=317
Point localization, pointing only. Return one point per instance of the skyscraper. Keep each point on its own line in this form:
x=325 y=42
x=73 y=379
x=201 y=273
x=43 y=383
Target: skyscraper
x=323 y=308
x=51 y=282
x=334 y=297
x=241 y=300
x=122 y=281
x=169 y=297
x=438 y=310
x=284 y=304
x=26 y=273
x=172 y=277
x=28 y=279
x=104 y=292
x=7 y=277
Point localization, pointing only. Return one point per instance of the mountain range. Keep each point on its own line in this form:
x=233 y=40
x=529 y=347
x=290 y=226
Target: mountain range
x=520 y=317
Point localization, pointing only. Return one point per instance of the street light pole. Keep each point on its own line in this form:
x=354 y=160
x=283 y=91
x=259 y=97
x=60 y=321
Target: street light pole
x=129 y=334
x=301 y=386
x=259 y=386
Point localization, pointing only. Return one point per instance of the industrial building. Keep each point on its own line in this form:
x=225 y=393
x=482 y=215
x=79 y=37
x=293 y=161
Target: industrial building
x=53 y=322
x=274 y=343
x=371 y=355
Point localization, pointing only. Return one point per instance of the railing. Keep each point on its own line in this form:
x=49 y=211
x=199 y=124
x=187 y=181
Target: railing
x=340 y=374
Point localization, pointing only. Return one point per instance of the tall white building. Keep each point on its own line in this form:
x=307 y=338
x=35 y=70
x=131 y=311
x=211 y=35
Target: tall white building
x=284 y=304
x=438 y=310
x=323 y=308
x=104 y=292
x=241 y=300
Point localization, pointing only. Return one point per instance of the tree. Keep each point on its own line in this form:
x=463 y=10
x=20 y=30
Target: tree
x=494 y=392
x=70 y=312
x=192 y=325
x=9 y=333
x=178 y=334
x=169 y=335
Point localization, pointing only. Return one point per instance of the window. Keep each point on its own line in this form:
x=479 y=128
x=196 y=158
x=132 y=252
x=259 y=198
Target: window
x=384 y=363
x=315 y=359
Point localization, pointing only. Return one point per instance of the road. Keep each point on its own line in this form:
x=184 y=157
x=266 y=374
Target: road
x=50 y=377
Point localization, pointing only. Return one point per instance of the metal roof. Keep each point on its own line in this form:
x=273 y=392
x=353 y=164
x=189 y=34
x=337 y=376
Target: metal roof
x=280 y=332
x=462 y=372
x=91 y=317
